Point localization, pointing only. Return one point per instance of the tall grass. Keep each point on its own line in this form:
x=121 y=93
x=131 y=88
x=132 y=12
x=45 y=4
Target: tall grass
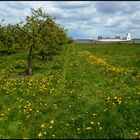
x=88 y=91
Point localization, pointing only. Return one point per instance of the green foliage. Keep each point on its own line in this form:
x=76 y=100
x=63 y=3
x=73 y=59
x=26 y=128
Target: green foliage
x=48 y=35
x=10 y=38
x=38 y=32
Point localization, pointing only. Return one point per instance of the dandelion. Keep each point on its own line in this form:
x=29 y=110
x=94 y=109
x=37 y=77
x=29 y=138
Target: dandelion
x=114 y=104
x=105 y=110
x=92 y=122
x=45 y=133
x=78 y=129
x=108 y=98
x=100 y=128
x=42 y=125
x=40 y=134
x=119 y=101
x=52 y=121
x=2 y=114
x=28 y=116
x=8 y=109
x=88 y=128
x=115 y=97
x=94 y=114
x=136 y=133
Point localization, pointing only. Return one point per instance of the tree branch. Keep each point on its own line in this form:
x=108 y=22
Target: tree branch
x=41 y=26
x=25 y=32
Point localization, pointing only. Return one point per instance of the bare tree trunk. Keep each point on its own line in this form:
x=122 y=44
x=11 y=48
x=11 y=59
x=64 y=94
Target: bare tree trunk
x=29 y=60
x=43 y=54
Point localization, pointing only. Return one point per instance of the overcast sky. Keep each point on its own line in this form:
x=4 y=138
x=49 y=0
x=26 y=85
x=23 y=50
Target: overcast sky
x=82 y=19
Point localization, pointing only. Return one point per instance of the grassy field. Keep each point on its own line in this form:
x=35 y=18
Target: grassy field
x=88 y=91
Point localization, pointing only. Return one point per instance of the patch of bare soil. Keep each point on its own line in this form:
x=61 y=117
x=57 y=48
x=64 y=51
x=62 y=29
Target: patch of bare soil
x=21 y=76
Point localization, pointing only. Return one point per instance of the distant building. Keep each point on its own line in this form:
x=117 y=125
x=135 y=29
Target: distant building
x=117 y=37
x=107 y=37
x=100 y=37
x=124 y=38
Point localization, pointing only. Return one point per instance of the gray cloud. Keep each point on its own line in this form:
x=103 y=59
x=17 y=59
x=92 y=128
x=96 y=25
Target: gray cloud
x=83 y=19
x=18 y=5
x=74 y=11
x=72 y=4
x=112 y=7
x=108 y=7
x=11 y=13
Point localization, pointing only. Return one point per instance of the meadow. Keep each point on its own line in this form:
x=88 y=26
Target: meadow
x=88 y=91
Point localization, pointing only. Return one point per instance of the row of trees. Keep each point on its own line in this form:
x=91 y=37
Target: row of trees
x=39 y=31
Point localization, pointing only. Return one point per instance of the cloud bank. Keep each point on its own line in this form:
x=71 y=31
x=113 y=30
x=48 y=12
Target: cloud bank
x=82 y=19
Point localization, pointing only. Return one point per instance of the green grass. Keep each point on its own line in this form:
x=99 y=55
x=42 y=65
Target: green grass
x=88 y=91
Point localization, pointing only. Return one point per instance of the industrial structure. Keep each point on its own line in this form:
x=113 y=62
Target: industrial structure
x=116 y=39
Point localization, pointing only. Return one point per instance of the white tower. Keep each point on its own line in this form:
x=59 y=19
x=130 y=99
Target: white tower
x=128 y=36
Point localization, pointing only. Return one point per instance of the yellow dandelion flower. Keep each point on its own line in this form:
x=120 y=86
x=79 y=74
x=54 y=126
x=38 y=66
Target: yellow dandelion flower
x=94 y=114
x=100 y=128
x=105 y=109
x=119 y=101
x=136 y=133
x=8 y=109
x=40 y=134
x=78 y=129
x=114 y=104
x=108 y=98
x=52 y=121
x=115 y=97
x=88 y=128
x=2 y=114
x=28 y=116
x=42 y=125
